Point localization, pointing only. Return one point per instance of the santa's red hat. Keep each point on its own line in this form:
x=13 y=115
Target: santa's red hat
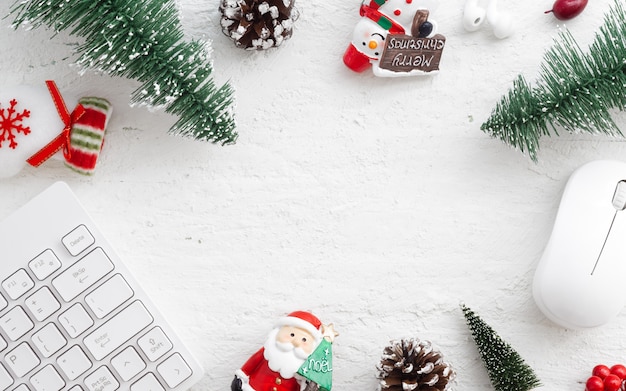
x=303 y=320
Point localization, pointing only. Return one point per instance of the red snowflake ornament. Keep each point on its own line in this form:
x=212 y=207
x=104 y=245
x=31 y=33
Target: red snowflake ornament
x=10 y=124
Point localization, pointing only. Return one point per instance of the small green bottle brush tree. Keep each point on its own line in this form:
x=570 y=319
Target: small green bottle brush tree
x=575 y=90
x=506 y=368
x=143 y=40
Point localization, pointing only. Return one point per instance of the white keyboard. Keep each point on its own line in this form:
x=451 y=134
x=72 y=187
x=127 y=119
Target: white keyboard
x=71 y=315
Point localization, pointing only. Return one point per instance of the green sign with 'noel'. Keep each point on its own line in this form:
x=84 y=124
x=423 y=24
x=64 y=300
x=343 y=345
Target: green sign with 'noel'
x=318 y=367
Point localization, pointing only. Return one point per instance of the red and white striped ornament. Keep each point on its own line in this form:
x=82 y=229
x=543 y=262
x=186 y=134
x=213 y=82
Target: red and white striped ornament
x=87 y=135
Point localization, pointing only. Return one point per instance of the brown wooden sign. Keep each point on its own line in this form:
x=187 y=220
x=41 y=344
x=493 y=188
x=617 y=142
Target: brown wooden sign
x=405 y=53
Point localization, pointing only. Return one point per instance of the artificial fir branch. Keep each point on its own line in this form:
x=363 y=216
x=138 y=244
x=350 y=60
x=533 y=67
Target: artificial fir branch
x=143 y=40
x=575 y=90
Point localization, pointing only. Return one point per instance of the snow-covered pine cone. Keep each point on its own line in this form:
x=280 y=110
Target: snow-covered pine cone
x=258 y=24
x=411 y=364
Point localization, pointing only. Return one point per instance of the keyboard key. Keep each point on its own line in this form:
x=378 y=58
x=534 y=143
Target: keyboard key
x=78 y=240
x=83 y=274
x=74 y=362
x=21 y=387
x=76 y=388
x=22 y=359
x=16 y=323
x=5 y=379
x=101 y=380
x=3 y=344
x=147 y=383
x=48 y=340
x=75 y=320
x=47 y=379
x=117 y=330
x=42 y=304
x=109 y=296
x=174 y=370
x=18 y=284
x=128 y=363
x=155 y=344
x=3 y=303
x=44 y=264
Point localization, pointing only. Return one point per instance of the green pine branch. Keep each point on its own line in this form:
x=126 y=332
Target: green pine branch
x=575 y=90
x=506 y=368
x=143 y=40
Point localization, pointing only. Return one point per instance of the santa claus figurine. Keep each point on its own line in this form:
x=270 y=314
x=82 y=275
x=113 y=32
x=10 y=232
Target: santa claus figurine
x=274 y=366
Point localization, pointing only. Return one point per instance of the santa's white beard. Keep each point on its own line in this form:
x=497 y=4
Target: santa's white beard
x=283 y=358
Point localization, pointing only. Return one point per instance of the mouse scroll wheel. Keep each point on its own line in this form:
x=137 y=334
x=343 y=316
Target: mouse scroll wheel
x=619 y=197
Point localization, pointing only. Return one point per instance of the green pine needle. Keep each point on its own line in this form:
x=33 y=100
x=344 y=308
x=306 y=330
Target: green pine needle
x=507 y=370
x=143 y=40
x=575 y=90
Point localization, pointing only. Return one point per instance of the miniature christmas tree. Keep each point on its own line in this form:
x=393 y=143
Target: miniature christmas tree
x=143 y=40
x=575 y=90
x=507 y=370
x=318 y=367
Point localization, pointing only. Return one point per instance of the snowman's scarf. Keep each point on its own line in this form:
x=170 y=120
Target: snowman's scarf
x=371 y=11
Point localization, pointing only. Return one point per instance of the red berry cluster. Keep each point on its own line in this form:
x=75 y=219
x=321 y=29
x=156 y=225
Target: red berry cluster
x=604 y=378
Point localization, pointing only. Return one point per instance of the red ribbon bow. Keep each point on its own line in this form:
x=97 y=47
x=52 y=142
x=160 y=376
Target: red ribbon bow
x=63 y=139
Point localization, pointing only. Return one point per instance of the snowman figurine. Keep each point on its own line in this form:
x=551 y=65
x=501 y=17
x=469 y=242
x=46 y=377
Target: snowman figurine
x=395 y=38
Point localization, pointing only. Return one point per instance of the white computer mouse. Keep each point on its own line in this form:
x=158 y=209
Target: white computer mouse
x=580 y=281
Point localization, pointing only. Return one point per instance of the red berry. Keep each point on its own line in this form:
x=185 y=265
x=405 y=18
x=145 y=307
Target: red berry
x=594 y=383
x=612 y=383
x=567 y=9
x=619 y=370
x=601 y=371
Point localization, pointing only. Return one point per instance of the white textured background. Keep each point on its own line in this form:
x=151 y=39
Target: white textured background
x=376 y=203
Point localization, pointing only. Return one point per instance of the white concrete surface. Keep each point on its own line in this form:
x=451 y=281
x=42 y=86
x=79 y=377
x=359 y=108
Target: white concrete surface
x=376 y=203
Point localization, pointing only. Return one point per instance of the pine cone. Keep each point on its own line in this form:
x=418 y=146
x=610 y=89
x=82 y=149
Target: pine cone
x=258 y=24
x=411 y=364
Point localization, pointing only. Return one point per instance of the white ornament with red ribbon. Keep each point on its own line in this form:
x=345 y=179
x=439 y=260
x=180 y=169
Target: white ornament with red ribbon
x=36 y=124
